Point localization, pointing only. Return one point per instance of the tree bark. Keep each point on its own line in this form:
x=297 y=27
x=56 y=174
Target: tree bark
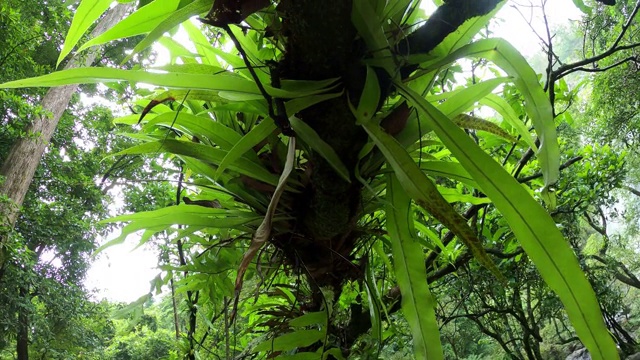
x=24 y=157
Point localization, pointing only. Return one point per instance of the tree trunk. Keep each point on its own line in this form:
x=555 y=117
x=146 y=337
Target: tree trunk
x=176 y=319
x=323 y=43
x=24 y=157
x=22 y=338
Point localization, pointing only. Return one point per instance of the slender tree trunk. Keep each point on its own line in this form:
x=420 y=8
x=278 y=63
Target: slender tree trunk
x=22 y=338
x=24 y=157
x=176 y=320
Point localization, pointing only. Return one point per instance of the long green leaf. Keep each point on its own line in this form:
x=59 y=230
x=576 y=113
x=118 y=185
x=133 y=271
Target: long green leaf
x=174 y=19
x=191 y=215
x=418 y=305
x=477 y=123
x=176 y=49
x=375 y=302
x=141 y=21
x=465 y=98
x=457 y=101
x=221 y=82
x=532 y=225
x=466 y=32
x=295 y=105
x=426 y=194
x=312 y=318
x=206 y=153
x=369 y=99
x=453 y=195
x=581 y=5
x=248 y=196
x=198 y=126
x=509 y=115
x=370 y=26
x=86 y=14
x=311 y=138
x=449 y=170
x=251 y=139
x=293 y=340
x=202 y=44
x=537 y=104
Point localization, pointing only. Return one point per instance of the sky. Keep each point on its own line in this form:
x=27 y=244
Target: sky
x=123 y=274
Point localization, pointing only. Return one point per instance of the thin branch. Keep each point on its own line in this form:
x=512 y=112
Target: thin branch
x=550 y=76
x=632 y=190
x=599 y=229
x=593 y=70
x=627 y=278
x=528 y=155
x=562 y=167
x=568 y=68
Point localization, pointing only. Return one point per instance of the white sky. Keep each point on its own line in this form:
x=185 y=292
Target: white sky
x=120 y=274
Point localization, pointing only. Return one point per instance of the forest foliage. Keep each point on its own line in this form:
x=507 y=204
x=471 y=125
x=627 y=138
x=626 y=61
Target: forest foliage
x=353 y=180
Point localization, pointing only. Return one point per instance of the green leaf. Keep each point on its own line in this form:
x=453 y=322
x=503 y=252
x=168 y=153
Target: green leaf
x=176 y=49
x=201 y=43
x=86 y=15
x=581 y=5
x=375 y=302
x=221 y=82
x=181 y=95
x=370 y=26
x=300 y=356
x=453 y=195
x=369 y=99
x=418 y=305
x=535 y=229
x=537 y=104
x=463 y=99
x=135 y=306
x=197 y=126
x=426 y=194
x=191 y=215
x=176 y=18
x=246 y=143
x=206 y=153
x=141 y=21
x=509 y=115
x=335 y=353
x=476 y=123
x=395 y=10
x=296 y=105
x=294 y=340
x=312 y=318
x=311 y=138
x=449 y=170
x=466 y=32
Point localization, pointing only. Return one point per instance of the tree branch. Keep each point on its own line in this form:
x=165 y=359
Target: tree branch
x=593 y=70
x=632 y=190
x=569 y=68
x=445 y=20
x=627 y=278
x=562 y=167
